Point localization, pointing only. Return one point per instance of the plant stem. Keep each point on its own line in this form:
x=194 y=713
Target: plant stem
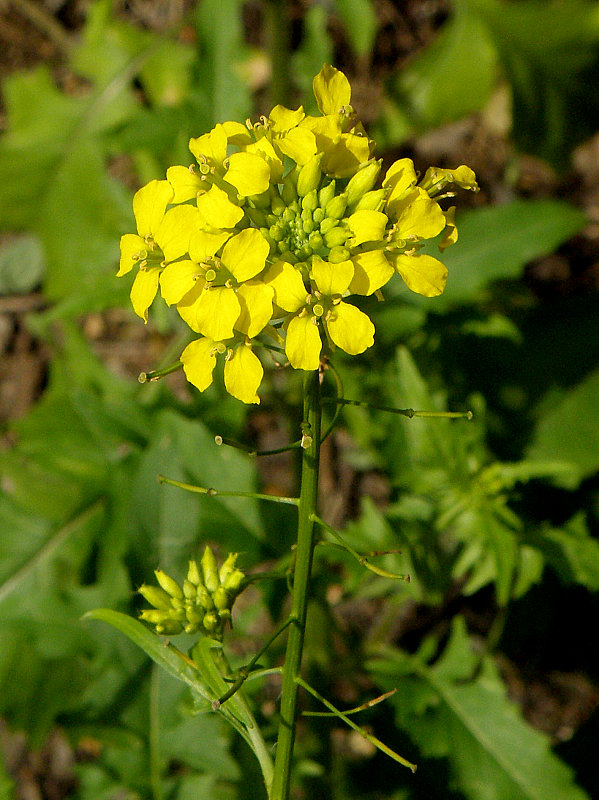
x=299 y=603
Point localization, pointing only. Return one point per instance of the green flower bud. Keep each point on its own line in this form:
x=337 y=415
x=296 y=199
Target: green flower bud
x=234 y=582
x=210 y=570
x=195 y=615
x=156 y=597
x=318 y=215
x=308 y=226
x=193 y=573
x=154 y=616
x=189 y=590
x=326 y=194
x=335 y=209
x=221 y=599
x=211 y=622
x=327 y=225
x=289 y=214
x=169 y=585
x=276 y=233
x=362 y=181
x=310 y=201
x=227 y=567
x=224 y=615
x=289 y=193
x=335 y=237
x=315 y=240
x=205 y=599
x=372 y=201
x=338 y=254
x=309 y=176
x=169 y=628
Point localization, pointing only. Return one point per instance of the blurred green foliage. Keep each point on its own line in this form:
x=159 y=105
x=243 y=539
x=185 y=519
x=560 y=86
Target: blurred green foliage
x=499 y=514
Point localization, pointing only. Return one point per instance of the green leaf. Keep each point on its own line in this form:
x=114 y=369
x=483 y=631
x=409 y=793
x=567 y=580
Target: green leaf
x=466 y=717
x=360 y=22
x=571 y=552
x=568 y=430
x=22 y=265
x=549 y=52
x=452 y=77
x=495 y=243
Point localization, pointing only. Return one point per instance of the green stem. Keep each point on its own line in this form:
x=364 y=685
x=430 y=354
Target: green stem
x=299 y=604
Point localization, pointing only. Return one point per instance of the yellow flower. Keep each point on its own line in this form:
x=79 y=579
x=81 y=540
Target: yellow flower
x=273 y=229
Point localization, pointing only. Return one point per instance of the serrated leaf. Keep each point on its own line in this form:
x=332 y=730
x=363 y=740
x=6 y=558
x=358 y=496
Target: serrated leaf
x=568 y=430
x=468 y=719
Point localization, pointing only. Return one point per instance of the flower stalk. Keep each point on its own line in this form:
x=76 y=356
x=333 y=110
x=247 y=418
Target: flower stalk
x=299 y=603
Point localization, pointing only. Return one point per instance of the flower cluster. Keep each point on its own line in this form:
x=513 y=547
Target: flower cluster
x=204 y=602
x=271 y=230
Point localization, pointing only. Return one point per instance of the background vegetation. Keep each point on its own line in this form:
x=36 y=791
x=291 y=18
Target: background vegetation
x=492 y=646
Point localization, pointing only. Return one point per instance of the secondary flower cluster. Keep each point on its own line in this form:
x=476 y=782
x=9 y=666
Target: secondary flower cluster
x=202 y=605
x=272 y=238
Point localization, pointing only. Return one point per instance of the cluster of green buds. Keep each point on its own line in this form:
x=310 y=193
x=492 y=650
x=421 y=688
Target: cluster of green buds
x=202 y=605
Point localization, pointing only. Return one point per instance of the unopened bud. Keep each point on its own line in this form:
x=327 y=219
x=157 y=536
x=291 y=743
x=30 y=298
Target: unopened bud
x=335 y=237
x=234 y=582
x=289 y=192
x=327 y=225
x=189 y=590
x=153 y=616
x=362 y=182
x=336 y=207
x=221 y=598
x=205 y=599
x=326 y=194
x=338 y=254
x=210 y=570
x=169 y=627
x=156 y=596
x=211 y=622
x=315 y=240
x=310 y=201
x=372 y=201
x=309 y=176
x=193 y=573
x=227 y=567
x=169 y=585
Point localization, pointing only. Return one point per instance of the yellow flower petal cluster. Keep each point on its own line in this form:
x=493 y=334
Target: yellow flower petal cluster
x=274 y=227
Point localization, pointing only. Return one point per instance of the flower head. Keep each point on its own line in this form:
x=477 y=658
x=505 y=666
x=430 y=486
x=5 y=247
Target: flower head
x=276 y=224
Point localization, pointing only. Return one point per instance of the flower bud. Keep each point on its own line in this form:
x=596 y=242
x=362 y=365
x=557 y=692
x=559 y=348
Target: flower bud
x=309 y=176
x=234 y=582
x=153 y=616
x=327 y=225
x=195 y=615
x=318 y=215
x=338 y=254
x=211 y=621
x=193 y=573
x=156 y=596
x=205 y=599
x=372 y=201
x=227 y=567
x=169 y=628
x=315 y=240
x=221 y=599
x=335 y=209
x=326 y=194
x=310 y=201
x=335 y=237
x=289 y=193
x=210 y=570
x=362 y=182
x=189 y=590
x=169 y=585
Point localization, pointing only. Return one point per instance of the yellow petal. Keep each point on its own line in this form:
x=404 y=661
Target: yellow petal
x=218 y=210
x=249 y=173
x=243 y=374
x=177 y=279
x=299 y=144
x=203 y=244
x=288 y=284
x=282 y=119
x=198 y=361
x=255 y=299
x=346 y=155
x=144 y=291
x=331 y=278
x=350 y=328
x=421 y=273
x=450 y=234
x=211 y=147
x=133 y=249
x=367 y=226
x=267 y=152
x=245 y=254
x=186 y=184
x=418 y=215
x=371 y=272
x=303 y=343
x=331 y=89
x=237 y=133
x=149 y=204
x=217 y=310
x=400 y=177
x=175 y=229
x=188 y=304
